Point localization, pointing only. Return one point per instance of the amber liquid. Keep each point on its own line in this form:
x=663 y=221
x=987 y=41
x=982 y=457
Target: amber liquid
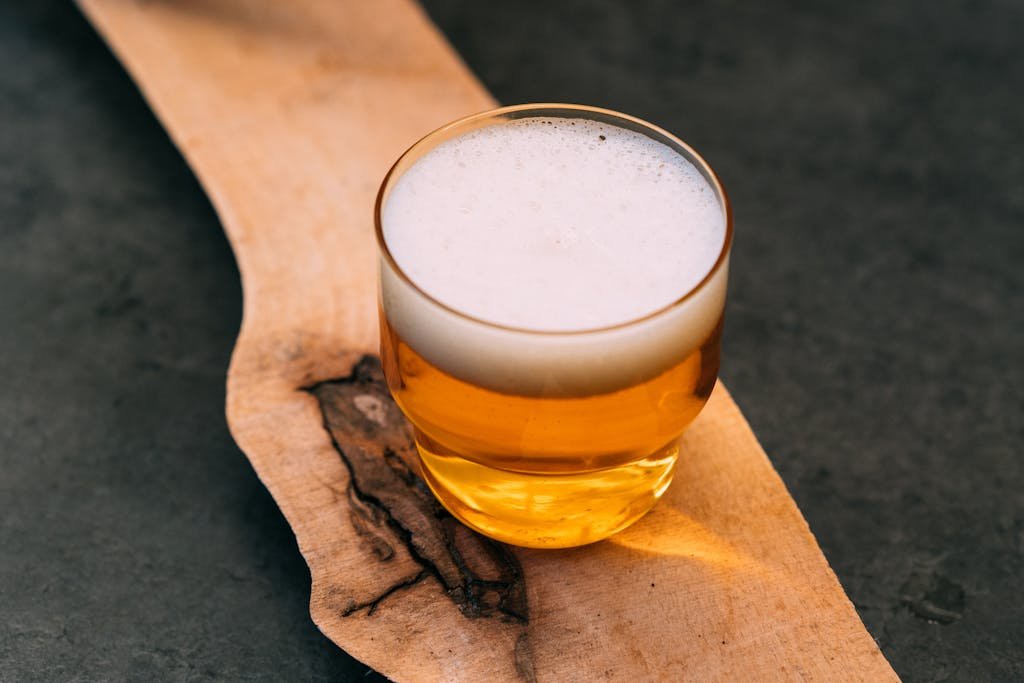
x=547 y=472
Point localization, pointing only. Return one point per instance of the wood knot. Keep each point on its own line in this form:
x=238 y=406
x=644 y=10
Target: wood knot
x=372 y=409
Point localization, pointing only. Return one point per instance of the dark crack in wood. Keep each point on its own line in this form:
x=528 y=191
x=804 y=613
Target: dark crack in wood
x=371 y=605
x=393 y=510
x=524 y=659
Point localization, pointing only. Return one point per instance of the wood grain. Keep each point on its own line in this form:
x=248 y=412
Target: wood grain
x=290 y=114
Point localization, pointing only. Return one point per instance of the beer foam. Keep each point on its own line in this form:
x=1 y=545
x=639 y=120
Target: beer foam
x=555 y=225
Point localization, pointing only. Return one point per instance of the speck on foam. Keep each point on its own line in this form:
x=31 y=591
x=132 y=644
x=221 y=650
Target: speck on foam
x=557 y=225
x=554 y=224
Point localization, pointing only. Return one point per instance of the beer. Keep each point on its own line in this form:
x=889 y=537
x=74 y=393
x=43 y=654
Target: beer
x=552 y=286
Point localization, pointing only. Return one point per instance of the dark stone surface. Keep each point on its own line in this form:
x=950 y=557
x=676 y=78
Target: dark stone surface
x=874 y=334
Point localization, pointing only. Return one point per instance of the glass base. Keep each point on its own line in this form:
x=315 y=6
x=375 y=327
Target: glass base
x=546 y=510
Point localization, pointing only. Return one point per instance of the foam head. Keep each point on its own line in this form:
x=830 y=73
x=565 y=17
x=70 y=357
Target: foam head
x=554 y=225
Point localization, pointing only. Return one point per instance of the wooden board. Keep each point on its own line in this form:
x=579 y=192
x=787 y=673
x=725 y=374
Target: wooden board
x=290 y=114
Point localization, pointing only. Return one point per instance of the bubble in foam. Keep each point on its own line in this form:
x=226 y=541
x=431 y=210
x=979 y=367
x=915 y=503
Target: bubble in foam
x=554 y=224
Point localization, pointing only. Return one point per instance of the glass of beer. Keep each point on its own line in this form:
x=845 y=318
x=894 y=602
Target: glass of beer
x=552 y=281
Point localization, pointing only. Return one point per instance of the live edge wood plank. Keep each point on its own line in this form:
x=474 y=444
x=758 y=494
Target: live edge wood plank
x=289 y=114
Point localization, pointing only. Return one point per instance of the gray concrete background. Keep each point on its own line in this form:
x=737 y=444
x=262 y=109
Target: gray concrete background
x=873 y=152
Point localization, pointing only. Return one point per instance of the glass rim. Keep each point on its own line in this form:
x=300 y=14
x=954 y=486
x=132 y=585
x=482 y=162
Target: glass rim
x=468 y=123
